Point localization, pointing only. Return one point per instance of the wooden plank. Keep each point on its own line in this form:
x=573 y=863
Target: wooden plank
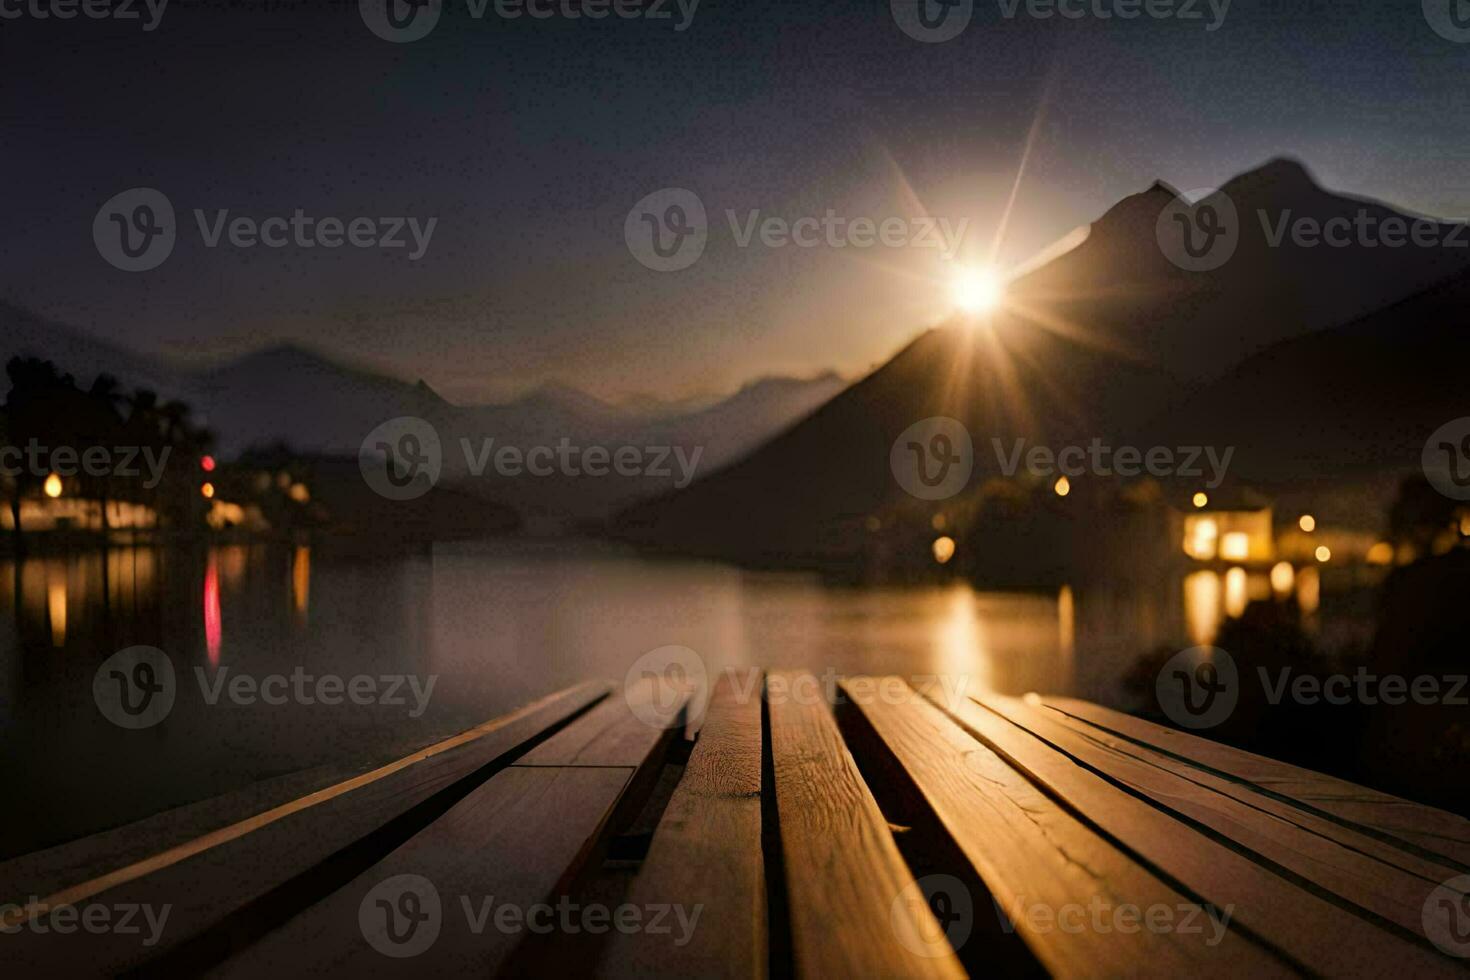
x=1331 y=857
x=618 y=732
x=1043 y=866
x=48 y=871
x=517 y=841
x=845 y=879
x=1313 y=930
x=223 y=888
x=507 y=844
x=1429 y=831
x=706 y=853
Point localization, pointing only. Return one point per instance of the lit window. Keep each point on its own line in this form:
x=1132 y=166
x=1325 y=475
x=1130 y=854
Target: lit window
x=1235 y=546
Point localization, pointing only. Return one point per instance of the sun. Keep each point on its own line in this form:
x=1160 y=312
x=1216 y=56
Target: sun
x=977 y=289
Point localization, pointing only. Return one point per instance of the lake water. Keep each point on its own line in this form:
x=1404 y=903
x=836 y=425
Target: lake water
x=494 y=626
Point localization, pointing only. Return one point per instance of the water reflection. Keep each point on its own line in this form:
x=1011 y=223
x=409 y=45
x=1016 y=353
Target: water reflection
x=1202 y=609
x=56 y=607
x=498 y=626
x=301 y=582
x=213 y=627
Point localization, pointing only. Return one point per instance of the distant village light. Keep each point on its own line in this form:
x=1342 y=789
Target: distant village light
x=1324 y=553
x=1063 y=486
x=1235 y=546
x=299 y=493
x=1308 y=523
x=53 y=486
x=1283 y=578
x=1201 y=499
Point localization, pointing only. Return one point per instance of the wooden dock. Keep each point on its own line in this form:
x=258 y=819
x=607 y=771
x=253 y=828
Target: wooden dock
x=890 y=834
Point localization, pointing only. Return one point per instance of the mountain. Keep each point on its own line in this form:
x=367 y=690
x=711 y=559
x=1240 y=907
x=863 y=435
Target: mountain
x=798 y=498
x=1112 y=340
x=734 y=426
x=78 y=353
x=1352 y=400
x=319 y=406
x=1121 y=287
x=315 y=405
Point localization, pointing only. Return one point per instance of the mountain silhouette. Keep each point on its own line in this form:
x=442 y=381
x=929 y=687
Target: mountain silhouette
x=1112 y=340
x=319 y=406
x=1353 y=400
x=1120 y=285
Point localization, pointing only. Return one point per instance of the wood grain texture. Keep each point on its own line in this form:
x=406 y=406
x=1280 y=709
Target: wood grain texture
x=234 y=869
x=1313 y=930
x=1360 y=869
x=506 y=844
x=846 y=882
x=706 y=853
x=55 y=868
x=1397 y=821
x=620 y=731
x=517 y=842
x=1041 y=864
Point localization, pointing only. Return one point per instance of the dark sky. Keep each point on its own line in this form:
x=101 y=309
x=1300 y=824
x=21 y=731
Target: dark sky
x=530 y=140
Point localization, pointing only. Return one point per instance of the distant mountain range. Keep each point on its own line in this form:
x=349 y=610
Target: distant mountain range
x=1314 y=362
x=318 y=406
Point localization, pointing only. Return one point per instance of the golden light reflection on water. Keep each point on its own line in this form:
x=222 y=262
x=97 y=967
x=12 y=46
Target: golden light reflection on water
x=1067 y=623
x=56 y=608
x=960 y=642
x=1309 y=589
x=1202 y=607
x=476 y=616
x=301 y=581
x=1236 y=596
